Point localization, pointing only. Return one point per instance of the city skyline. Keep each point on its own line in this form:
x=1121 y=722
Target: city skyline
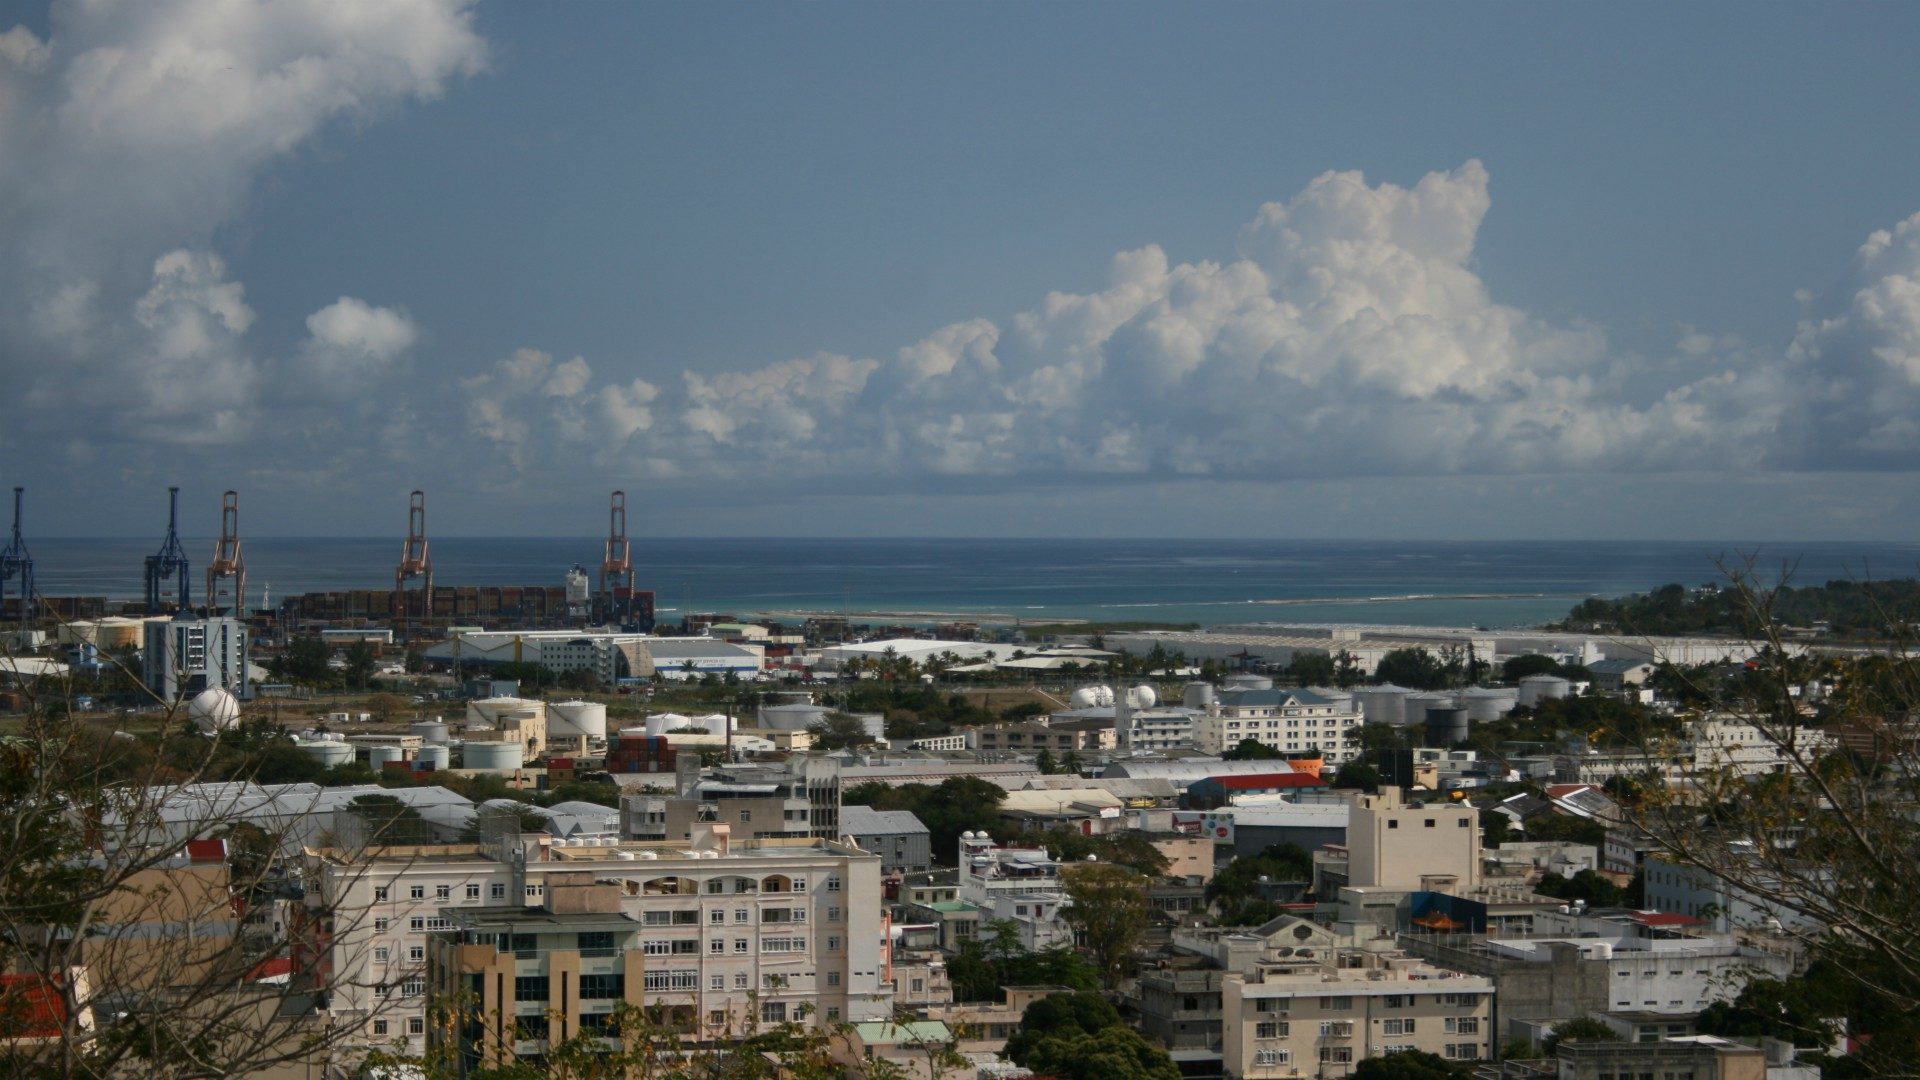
x=1129 y=270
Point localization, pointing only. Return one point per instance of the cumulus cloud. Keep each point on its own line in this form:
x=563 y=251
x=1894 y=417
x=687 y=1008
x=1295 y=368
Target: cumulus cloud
x=132 y=133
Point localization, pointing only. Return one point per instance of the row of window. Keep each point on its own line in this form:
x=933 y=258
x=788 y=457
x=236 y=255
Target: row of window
x=498 y=890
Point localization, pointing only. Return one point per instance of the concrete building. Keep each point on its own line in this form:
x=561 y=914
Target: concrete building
x=1020 y=885
x=1395 y=844
x=896 y=836
x=1691 y=891
x=1298 y=722
x=789 y=922
x=182 y=657
x=610 y=655
x=1322 y=1022
x=1732 y=743
x=798 y=798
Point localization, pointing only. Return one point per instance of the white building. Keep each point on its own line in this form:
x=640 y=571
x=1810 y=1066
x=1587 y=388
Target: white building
x=609 y=655
x=1322 y=1022
x=1021 y=885
x=185 y=656
x=1732 y=743
x=1291 y=721
x=792 y=921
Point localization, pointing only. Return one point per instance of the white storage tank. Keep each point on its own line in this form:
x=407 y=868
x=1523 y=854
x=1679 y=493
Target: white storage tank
x=492 y=755
x=328 y=753
x=661 y=723
x=1418 y=704
x=1248 y=682
x=1197 y=695
x=494 y=712
x=1142 y=697
x=1485 y=704
x=379 y=757
x=1383 y=704
x=432 y=732
x=1086 y=697
x=714 y=723
x=433 y=757
x=573 y=719
x=1537 y=688
x=213 y=709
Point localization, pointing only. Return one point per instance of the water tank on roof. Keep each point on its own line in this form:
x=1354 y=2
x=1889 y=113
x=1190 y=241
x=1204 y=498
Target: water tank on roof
x=576 y=719
x=1197 y=695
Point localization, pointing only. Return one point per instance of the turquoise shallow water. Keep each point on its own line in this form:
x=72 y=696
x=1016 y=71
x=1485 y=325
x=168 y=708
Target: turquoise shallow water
x=1494 y=584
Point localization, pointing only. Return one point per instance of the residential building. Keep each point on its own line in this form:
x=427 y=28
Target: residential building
x=799 y=797
x=1732 y=743
x=182 y=657
x=790 y=920
x=1296 y=722
x=1020 y=885
x=1286 y=1021
x=1395 y=844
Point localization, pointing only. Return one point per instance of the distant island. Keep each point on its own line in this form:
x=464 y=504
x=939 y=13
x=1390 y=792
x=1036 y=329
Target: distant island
x=1849 y=609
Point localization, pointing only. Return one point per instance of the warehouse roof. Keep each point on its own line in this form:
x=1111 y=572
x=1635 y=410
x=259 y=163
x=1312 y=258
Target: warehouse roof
x=866 y=821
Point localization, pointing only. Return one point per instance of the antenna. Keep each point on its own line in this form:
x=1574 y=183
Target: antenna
x=16 y=564
x=228 y=564
x=616 y=566
x=415 y=562
x=169 y=564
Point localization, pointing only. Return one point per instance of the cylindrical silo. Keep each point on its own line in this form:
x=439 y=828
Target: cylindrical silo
x=1485 y=704
x=1198 y=695
x=1383 y=704
x=328 y=753
x=432 y=732
x=1418 y=705
x=661 y=723
x=379 y=757
x=1447 y=726
x=573 y=719
x=715 y=723
x=492 y=755
x=1536 y=688
x=493 y=712
x=433 y=757
x=1249 y=682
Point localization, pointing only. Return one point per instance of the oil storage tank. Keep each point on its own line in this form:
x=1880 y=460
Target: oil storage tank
x=1537 y=688
x=431 y=732
x=1419 y=704
x=433 y=757
x=379 y=757
x=1447 y=726
x=500 y=756
x=1383 y=704
x=1485 y=704
x=577 y=719
x=328 y=752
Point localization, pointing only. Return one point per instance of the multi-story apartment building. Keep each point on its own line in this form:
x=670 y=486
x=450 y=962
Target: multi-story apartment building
x=1297 y=722
x=1295 y=1021
x=723 y=918
x=182 y=657
x=800 y=797
x=1731 y=743
x=1394 y=844
x=898 y=837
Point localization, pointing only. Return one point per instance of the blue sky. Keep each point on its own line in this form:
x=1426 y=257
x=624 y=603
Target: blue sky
x=1603 y=271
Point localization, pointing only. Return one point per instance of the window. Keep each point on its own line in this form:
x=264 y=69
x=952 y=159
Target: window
x=529 y=988
x=1336 y=1055
x=417 y=953
x=1392 y=823
x=418 y=892
x=773 y=1012
x=1336 y=1029
x=1399 y=1027
x=1271 y=1029
x=1336 y=1004
x=771 y=981
x=1273 y=1057
x=716 y=1017
x=833 y=914
x=742 y=915
x=1471 y=1051
x=443 y=892
x=1461 y=822
x=833 y=944
x=416 y=1025
x=379 y=926
x=1463 y=1025
x=739 y=945
x=473 y=890
x=379 y=894
x=1399 y=1001
x=717 y=915
x=717 y=946
x=417 y=923
x=833 y=979
x=1266 y=1005
x=739 y=980
x=1430 y=823
x=717 y=982
x=655 y=980
x=379 y=1027
x=833 y=883
x=658 y=948
x=746 y=815
x=833 y=1012
x=413 y=987
x=614 y=987
x=497 y=891
x=595 y=943
x=380 y=955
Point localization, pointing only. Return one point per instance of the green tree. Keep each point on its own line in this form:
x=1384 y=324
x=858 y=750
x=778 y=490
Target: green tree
x=1583 y=1028
x=1519 y=667
x=1109 y=910
x=1412 y=667
x=1045 y=763
x=839 y=731
x=1311 y=669
x=1252 y=750
x=1357 y=774
x=1117 y=1053
x=1408 y=1065
x=360 y=662
x=1058 y=1015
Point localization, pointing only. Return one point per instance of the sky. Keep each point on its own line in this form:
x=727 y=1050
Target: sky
x=1365 y=270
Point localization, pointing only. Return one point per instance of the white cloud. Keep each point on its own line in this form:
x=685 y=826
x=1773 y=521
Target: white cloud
x=135 y=131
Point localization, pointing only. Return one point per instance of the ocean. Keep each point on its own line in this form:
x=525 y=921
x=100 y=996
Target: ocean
x=1492 y=584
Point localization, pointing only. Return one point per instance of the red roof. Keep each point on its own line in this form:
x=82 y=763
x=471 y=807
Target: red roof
x=272 y=967
x=32 y=1006
x=1267 y=781
x=1665 y=918
x=207 y=851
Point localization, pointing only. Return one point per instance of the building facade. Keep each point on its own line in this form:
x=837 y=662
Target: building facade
x=182 y=657
x=1323 y=1023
